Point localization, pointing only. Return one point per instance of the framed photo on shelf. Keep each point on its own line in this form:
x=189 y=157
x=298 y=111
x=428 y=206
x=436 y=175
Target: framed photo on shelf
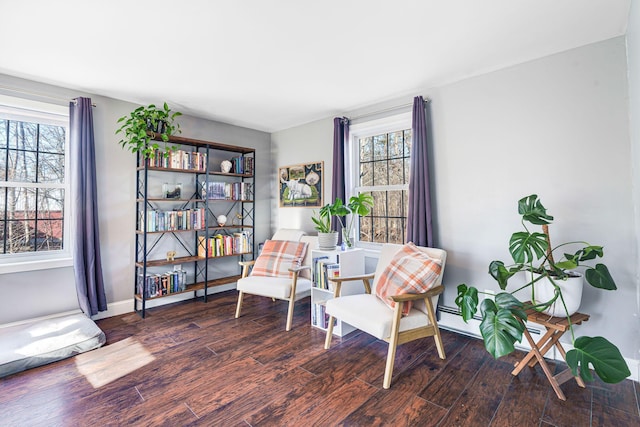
x=301 y=186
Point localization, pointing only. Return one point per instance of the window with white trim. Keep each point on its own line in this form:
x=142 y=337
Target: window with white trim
x=34 y=201
x=380 y=157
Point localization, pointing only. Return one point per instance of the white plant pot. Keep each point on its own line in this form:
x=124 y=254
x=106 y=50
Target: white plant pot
x=571 y=291
x=328 y=241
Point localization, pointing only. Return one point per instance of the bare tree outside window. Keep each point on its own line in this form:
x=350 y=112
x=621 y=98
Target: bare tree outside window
x=383 y=170
x=32 y=166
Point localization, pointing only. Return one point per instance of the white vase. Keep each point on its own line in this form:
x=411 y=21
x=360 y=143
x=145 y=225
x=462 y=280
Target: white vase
x=328 y=241
x=571 y=289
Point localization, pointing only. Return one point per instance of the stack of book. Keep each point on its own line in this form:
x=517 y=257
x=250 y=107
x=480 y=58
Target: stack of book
x=179 y=159
x=185 y=219
x=323 y=270
x=227 y=190
x=242 y=165
x=221 y=245
x=155 y=285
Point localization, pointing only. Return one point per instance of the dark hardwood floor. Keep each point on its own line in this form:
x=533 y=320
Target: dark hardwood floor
x=192 y=363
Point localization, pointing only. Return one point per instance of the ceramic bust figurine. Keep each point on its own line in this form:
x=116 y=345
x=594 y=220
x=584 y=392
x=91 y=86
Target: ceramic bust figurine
x=225 y=166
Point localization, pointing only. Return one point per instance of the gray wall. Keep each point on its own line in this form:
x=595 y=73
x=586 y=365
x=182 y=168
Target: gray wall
x=45 y=292
x=558 y=127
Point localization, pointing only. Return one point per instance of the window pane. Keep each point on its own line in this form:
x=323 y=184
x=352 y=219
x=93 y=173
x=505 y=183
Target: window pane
x=21 y=203
x=396 y=146
x=396 y=230
x=380 y=147
x=396 y=172
x=20 y=236
x=26 y=136
x=380 y=173
x=379 y=203
x=51 y=168
x=395 y=203
x=3 y=133
x=52 y=139
x=366 y=149
x=365 y=229
x=407 y=142
x=366 y=174
x=48 y=235
x=50 y=203
x=22 y=166
x=380 y=230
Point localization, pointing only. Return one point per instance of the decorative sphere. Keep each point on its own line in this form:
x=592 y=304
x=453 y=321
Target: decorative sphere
x=222 y=220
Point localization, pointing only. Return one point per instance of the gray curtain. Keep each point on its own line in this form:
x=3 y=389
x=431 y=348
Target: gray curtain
x=419 y=216
x=84 y=205
x=340 y=138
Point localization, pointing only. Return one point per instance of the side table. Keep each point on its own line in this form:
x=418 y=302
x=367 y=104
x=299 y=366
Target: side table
x=556 y=327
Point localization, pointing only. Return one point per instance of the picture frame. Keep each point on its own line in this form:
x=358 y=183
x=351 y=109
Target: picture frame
x=302 y=185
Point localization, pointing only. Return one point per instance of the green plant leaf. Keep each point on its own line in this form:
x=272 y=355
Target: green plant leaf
x=599 y=277
x=507 y=301
x=532 y=210
x=467 y=301
x=501 y=274
x=523 y=245
x=605 y=358
x=500 y=329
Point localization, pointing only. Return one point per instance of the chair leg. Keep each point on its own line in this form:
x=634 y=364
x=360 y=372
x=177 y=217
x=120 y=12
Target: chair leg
x=292 y=301
x=327 y=340
x=239 y=306
x=393 y=344
x=436 y=336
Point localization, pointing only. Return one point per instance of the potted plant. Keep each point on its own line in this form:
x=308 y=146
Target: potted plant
x=359 y=205
x=503 y=317
x=327 y=238
x=143 y=125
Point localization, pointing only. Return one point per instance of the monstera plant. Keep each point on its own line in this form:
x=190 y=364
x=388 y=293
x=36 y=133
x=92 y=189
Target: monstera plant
x=503 y=316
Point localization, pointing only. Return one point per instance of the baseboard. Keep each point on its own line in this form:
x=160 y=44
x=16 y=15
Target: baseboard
x=126 y=306
x=451 y=320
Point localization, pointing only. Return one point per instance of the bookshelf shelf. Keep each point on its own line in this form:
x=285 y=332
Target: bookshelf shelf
x=343 y=263
x=185 y=228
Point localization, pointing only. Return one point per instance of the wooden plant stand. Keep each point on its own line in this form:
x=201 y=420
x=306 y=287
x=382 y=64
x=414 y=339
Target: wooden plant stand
x=556 y=327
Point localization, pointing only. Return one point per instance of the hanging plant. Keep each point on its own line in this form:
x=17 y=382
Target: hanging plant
x=144 y=125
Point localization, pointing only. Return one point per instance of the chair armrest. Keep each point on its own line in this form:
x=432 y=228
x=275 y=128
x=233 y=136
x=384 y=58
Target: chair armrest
x=299 y=269
x=414 y=297
x=247 y=263
x=351 y=278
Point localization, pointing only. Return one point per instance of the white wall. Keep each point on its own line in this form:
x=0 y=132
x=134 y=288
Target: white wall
x=47 y=292
x=633 y=73
x=558 y=127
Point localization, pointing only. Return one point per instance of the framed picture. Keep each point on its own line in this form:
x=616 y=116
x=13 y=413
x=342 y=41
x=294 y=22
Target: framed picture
x=301 y=186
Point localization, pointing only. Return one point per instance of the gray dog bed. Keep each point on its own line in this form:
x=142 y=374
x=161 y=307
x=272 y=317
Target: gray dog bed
x=41 y=342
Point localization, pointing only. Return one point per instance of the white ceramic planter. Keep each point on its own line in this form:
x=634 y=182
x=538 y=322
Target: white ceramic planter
x=571 y=291
x=328 y=241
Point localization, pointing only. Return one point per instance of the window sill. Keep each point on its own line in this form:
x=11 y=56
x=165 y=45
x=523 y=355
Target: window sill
x=34 y=265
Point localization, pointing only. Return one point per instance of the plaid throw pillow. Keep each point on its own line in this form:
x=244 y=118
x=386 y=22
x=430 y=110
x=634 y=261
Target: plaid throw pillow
x=410 y=271
x=277 y=257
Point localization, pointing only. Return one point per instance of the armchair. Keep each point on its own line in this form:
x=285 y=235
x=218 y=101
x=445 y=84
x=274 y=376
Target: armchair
x=277 y=275
x=419 y=271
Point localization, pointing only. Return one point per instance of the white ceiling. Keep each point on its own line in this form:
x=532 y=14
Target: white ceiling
x=274 y=64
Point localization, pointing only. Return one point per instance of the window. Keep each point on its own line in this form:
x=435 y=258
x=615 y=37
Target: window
x=380 y=153
x=33 y=185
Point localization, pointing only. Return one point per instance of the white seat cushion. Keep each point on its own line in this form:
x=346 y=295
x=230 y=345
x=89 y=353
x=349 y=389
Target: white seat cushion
x=369 y=314
x=274 y=287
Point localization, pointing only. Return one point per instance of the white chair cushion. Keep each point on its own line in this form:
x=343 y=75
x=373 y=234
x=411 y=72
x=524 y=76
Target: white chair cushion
x=369 y=314
x=274 y=287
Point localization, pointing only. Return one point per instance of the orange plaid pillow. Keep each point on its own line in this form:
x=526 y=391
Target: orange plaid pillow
x=277 y=257
x=410 y=271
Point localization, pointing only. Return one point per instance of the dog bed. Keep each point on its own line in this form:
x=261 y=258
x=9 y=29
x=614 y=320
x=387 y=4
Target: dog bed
x=46 y=341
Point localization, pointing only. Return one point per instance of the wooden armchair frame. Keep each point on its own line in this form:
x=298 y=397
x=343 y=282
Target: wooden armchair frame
x=396 y=336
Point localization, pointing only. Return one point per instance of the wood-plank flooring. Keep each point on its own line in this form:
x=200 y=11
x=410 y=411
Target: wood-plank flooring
x=192 y=363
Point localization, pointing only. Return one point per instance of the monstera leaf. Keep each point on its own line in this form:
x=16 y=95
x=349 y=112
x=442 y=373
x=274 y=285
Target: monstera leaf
x=599 y=277
x=532 y=210
x=502 y=274
x=523 y=245
x=501 y=327
x=467 y=301
x=602 y=355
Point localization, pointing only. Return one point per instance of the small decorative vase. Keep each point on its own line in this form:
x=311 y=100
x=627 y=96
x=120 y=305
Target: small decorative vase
x=571 y=289
x=347 y=239
x=225 y=166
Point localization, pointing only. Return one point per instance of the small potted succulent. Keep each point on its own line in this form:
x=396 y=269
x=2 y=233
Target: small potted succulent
x=503 y=316
x=144 y=125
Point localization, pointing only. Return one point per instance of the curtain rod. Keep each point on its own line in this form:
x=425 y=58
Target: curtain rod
x=41 y=95
x=397 y=107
